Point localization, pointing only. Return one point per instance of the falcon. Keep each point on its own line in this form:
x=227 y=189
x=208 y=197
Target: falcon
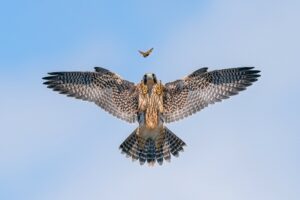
x=146 y=53
x=151 y=103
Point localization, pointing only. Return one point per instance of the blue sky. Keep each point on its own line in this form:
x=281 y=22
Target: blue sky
x=54 y=147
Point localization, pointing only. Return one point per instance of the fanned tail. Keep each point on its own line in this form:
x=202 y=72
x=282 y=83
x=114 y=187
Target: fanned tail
x=151 y=150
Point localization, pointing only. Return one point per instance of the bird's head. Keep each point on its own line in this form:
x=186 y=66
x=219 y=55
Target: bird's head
x=149 y=79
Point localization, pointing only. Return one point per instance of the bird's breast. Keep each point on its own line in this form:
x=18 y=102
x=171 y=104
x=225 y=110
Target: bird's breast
x=150 y=110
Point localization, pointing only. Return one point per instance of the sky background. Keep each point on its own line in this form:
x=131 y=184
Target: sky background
x=54 y=147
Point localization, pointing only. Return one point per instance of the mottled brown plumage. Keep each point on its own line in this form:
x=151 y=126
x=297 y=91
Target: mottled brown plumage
x=151 y=103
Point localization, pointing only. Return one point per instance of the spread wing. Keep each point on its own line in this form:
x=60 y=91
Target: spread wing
x=201 y=88
x=150 y=50
x=106 y=89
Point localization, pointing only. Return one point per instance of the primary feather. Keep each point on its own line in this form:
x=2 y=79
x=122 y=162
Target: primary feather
x=104 y=88
x=191 y=94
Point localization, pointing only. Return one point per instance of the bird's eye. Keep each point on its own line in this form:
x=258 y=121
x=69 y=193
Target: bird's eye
x=145 y=79
x=154 y=78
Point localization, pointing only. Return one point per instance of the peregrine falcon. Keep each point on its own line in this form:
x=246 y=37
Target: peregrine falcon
x=151 y=103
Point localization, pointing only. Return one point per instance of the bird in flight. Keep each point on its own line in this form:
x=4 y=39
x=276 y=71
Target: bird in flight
x=151 y=103
x=146 y=53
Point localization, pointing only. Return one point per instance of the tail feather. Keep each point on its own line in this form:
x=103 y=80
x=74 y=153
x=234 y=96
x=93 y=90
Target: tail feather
x=151 y=150
x=142 y=157
x=159 y=155
x=129 y=144
x=166 y=152
x=175 y=143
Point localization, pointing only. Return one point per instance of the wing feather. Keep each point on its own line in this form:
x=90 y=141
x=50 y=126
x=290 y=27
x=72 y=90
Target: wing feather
x=104 y=88
x=191 y=94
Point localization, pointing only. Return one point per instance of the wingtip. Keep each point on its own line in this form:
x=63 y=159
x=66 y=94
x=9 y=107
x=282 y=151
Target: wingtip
x=246 y=68
x=251 y=72
x=47 y=82
x=100 y=69
x=97 y=69
x=54 y=73
x=47 y=77
x=50 y=86
x=250 y=68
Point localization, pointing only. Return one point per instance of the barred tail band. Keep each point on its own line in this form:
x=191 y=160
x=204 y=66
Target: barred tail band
x=151 y=150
